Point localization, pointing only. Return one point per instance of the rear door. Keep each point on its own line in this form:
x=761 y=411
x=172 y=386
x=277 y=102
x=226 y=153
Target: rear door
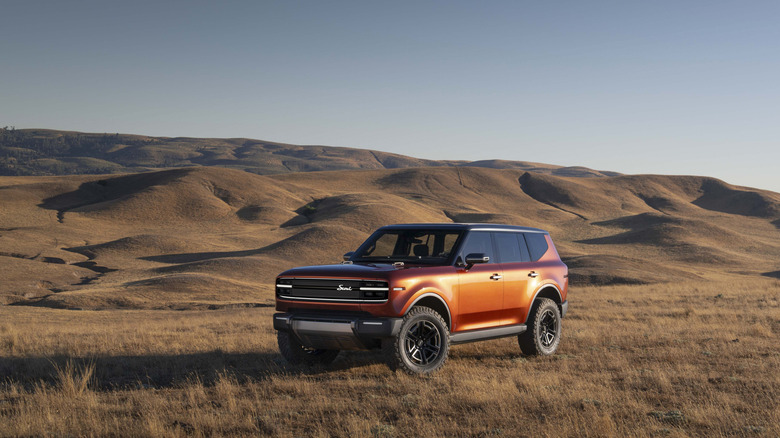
x=480 y=296
x=515 y=261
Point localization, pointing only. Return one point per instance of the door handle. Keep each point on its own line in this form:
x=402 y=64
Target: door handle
x=533 y=274
x=496 y=277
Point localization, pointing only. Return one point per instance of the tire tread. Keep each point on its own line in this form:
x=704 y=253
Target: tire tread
x=393 y=348
x=528 y=340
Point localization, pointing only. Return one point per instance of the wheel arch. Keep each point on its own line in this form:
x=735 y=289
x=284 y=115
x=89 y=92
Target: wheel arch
x=550 y=291
x=435 y=302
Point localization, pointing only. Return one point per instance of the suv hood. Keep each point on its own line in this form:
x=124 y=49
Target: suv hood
x=365 y=270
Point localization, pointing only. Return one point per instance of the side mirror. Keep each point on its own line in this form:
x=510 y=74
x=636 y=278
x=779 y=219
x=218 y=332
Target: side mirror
x=475 y=258
x=348 y=255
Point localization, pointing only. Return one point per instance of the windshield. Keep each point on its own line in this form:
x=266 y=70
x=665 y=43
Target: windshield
x=411 y=246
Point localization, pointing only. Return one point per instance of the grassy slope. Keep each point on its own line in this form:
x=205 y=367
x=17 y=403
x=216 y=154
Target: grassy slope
x=195 y=237
x=49 y=152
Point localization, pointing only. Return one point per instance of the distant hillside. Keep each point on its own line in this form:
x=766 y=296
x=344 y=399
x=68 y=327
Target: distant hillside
x=206 y=237
x=46 y=152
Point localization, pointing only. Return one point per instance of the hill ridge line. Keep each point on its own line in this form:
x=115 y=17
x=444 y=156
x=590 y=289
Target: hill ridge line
x=41 y=152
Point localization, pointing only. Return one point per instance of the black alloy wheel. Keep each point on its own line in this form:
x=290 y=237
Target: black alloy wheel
x=422 y=342
x=548 y=328
x=543 y=334
x=422 y=345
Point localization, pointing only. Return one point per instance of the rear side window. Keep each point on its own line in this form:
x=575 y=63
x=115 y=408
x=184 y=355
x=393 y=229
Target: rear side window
x=523 y=247
x=537 y=245
x=479 y=242
x=510 y=249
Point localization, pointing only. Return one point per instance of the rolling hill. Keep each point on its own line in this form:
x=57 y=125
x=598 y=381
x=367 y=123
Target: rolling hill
x=210 y=237
x=49 y=152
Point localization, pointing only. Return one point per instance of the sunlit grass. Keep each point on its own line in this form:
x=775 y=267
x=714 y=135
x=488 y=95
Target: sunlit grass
x=659 y=360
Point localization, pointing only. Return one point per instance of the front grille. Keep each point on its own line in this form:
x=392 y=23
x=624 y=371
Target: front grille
x=332 y=289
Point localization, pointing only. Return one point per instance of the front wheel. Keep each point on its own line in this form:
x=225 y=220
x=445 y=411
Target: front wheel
x=422 y=345
x=297 y=354
x=544 y=331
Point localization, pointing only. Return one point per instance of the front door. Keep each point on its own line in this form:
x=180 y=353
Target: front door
x=481 y=291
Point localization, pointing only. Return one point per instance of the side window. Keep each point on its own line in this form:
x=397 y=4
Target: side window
x=537 y=245
x=449 y=241
x=509 y=248
x=479 y=241
x=523 y=247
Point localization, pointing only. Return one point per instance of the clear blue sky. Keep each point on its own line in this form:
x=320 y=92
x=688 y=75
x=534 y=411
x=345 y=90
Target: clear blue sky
x=633 y=86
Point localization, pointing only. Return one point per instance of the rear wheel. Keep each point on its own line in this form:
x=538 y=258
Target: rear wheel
x=422 y=345
x=544 y=329
x=297 y=354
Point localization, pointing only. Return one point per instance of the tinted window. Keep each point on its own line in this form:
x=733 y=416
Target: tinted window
x=411 y=246
x=479 y=242
x=523 y=247
x=537 y=245
x=508 y=248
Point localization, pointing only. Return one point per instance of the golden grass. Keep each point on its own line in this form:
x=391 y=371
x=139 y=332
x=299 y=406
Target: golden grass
x=675 y=359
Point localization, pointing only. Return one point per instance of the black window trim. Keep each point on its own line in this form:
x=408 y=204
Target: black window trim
x=522 y=234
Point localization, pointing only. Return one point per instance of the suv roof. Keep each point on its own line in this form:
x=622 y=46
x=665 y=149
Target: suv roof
x=469 y=226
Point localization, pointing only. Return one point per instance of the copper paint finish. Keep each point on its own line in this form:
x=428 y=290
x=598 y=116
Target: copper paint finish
x=475 y=300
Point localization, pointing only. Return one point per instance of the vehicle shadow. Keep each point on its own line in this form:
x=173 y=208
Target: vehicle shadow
x=163 y=371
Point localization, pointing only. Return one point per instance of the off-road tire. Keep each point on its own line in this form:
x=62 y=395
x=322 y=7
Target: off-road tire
x=544 y=329
x=297 y=354
x=422 y=344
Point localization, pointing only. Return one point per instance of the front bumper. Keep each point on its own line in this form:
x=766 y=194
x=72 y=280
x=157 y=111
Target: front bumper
x=337 y=333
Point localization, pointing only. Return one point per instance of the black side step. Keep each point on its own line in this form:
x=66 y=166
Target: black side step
x=484 y=334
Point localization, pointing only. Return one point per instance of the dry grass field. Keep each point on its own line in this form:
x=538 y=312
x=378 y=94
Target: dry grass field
x=140 y=304
x=653 y=360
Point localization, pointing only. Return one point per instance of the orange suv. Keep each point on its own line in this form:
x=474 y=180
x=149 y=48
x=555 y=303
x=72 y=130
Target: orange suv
x=414 y=289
